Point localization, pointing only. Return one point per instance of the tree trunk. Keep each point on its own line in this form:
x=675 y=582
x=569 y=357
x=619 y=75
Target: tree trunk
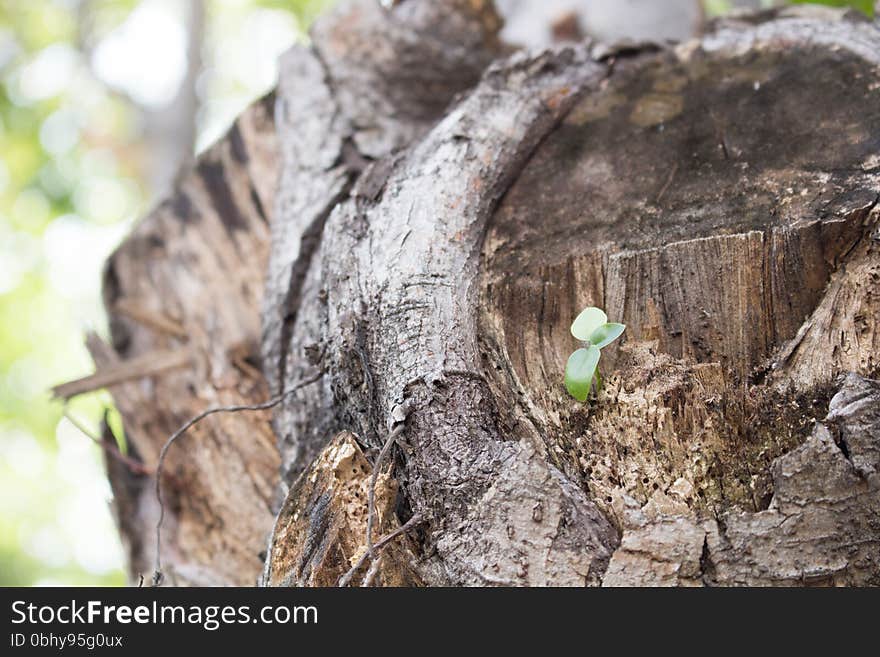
x=442 y=212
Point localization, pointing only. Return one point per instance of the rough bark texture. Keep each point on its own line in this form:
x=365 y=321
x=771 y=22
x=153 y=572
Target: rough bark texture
x=371 y=83
x=442 y=213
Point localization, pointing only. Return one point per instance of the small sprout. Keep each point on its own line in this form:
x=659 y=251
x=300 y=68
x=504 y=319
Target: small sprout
x=580 y=370
x=587 y=322
x=606 y=334
x=594 y=331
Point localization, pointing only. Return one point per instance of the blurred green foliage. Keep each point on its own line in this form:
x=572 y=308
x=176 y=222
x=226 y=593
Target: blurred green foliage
x=864 y=6
x=74 y=176
x=721 y=7
x=61 y=134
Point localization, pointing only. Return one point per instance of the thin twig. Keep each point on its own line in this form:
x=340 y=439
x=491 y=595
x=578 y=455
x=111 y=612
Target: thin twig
x=371 y=506
x=372 y=572
x=157 y=574
x=135 y=466
x=147 y=364
x=371 y=494
x=379 y=545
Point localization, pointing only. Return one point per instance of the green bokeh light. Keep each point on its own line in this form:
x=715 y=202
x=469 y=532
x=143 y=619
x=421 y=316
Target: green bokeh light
x=74 y=176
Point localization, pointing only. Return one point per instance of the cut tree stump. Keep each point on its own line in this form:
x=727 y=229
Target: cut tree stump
x=442 y=212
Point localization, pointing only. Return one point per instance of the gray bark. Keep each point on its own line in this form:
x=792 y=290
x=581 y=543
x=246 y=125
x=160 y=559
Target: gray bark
x=443 y=212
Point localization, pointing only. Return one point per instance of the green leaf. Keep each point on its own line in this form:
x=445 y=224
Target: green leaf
x=606 y=334
x=579 y=372
x=116 y=426
x=588 y=321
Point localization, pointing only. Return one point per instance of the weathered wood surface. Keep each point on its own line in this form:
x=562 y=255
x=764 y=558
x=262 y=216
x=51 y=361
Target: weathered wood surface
x=712 y=199
x=430 y=247
x=198 y=262
x=822 y=526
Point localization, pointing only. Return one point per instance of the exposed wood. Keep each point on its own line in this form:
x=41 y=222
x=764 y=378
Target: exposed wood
x=715 y=275
x=821 y=528
x=843 y=333
x=130 y=308
x=429 y=251
x=719 y=275
x=459 y=469
x=320 y=529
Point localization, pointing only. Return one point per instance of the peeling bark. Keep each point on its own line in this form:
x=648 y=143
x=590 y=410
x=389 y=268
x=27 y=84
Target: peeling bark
x=441 y=215
x=197 y=262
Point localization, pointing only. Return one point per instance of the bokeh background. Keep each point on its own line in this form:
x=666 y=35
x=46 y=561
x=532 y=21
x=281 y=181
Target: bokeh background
x=101 y=103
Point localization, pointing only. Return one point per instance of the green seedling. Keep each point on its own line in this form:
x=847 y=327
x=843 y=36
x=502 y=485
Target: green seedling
x=594 y=331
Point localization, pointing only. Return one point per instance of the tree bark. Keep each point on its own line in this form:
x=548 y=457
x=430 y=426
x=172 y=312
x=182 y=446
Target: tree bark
x=442 y=212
